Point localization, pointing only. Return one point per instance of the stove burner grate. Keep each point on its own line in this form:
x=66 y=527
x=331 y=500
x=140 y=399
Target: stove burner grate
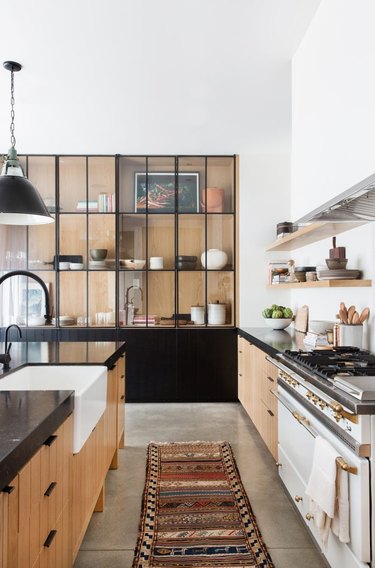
x=350 y=361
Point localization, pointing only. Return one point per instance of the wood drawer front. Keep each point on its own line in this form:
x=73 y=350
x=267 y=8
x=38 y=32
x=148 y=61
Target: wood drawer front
x=56 y=548
x=268 y=428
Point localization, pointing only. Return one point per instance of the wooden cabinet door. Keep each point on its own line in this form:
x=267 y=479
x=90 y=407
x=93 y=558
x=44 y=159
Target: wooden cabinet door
x=241 y=369
x=11 y=513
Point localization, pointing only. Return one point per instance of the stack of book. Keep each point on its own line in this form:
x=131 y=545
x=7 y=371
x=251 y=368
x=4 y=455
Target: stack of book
x=107 y=203
x=84 y=205
x=142 y=319
x=315 y=339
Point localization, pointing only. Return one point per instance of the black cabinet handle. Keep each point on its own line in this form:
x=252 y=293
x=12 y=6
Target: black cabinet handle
x=50 y=440
x=50 y=488
x=50 y=538
x=270 y=379
x=122 y=397
x=270 y=412
x=122 y=377
x=8 y=489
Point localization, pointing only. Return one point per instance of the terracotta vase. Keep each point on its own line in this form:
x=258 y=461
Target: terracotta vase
x=215 y=200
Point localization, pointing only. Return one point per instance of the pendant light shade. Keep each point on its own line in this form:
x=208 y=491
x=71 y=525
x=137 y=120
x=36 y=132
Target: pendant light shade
x=20 y=202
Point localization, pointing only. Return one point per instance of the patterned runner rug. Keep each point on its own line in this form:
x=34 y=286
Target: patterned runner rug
x=195 y=510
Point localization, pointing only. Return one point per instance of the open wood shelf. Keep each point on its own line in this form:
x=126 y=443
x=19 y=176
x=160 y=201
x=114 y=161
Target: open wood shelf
x=324 y=284
x=311 y=234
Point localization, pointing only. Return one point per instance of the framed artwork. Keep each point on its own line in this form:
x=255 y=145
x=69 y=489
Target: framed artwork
x=161 y=192
x=33 y=302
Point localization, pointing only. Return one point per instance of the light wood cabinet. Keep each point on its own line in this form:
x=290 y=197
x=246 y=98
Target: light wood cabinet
x=34 y=503
x=97 y=456
x=121 y=401
x=256 y=379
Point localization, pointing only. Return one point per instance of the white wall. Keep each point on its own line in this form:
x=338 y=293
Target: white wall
x=264 y=202
x=333 y=94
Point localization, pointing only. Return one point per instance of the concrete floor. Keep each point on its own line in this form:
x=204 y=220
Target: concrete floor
x=111 y=535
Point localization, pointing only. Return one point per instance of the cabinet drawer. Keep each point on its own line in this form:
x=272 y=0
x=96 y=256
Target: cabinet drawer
x=268 y=427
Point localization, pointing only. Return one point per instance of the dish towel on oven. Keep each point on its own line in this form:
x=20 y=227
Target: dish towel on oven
x=321 y=487
x=340 y=523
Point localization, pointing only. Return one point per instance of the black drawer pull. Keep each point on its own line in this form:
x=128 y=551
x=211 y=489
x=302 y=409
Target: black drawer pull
x=50 y=440
x=8 y=489
x=50 y=488
x=50 y=538
x=122 y=377
x=239 y=351
x=122 y=397
x=270 y=379
x=270 y=412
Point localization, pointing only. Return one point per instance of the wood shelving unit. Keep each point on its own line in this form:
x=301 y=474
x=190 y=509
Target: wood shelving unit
x=324 y=284
x=311 y=234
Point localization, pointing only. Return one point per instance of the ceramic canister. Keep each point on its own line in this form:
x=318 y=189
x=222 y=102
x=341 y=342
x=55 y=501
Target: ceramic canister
x=216 y=259
x=197 y=314
x=156 y=262
x=216 y=314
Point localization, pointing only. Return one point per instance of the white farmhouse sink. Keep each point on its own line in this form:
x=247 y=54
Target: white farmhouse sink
x=90 y=391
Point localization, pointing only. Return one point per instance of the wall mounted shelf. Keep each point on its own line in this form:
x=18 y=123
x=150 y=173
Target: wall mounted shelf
x=311 y=234
x=324 y=284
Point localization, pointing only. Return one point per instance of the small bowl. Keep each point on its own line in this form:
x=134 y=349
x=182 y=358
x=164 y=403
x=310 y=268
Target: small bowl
x=134 y=264
x=336 y=263
x=278 y=323
x=301 y=276
x=36 y=320
x=76 y=265
x=64 y=265
x=98 y=254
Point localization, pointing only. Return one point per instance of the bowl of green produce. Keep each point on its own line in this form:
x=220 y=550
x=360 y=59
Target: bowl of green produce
x=278 y=317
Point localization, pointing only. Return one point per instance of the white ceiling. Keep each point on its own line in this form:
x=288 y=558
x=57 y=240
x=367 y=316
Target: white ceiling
x=151 y=76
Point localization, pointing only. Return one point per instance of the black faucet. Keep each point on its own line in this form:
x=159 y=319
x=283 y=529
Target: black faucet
x=5 y=357
x=48 y=315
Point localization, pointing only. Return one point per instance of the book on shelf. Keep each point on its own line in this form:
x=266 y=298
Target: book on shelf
x=107 y=202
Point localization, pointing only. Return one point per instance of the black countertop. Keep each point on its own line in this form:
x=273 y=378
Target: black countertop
x=274 y=342
x=27 y=418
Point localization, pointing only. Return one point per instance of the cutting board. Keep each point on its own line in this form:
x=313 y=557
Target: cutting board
x=301 y=319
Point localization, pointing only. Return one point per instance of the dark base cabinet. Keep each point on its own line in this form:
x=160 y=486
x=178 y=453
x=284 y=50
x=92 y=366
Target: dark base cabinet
x=167 y=365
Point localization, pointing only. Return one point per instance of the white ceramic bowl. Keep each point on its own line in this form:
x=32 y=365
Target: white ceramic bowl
x=76 y=265
x=278 y=323
x=134 y=264
x=64 y=265
x=320 y=326
x=36 y=320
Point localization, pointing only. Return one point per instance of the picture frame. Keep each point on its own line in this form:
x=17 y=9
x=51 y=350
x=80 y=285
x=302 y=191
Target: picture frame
x=161 y=192
x=33 y=301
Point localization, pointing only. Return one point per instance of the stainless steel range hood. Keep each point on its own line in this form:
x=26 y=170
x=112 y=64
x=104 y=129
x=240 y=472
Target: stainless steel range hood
x=357 y=204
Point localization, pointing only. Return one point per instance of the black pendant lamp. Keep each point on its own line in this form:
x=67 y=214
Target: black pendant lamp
x=20 y=202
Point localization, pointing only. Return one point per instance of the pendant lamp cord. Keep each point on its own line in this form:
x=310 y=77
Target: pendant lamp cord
x=12 y=137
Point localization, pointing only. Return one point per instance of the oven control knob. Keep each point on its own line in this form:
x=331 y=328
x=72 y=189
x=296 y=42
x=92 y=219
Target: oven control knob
x=294 y=383
x=309 y=395
x=315 y=399
x=322 y=404
x=337 y=416
x=336 y=407
x=298 y=498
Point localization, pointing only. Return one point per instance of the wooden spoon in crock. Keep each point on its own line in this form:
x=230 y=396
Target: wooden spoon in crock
x=351 y=311
x=355 y=318
x=343 y=315
x=364 y=315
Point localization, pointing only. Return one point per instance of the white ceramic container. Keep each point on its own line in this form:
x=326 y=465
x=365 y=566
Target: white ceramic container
x=216 y=314
x=156 y=262
x=197 y=314
x=216 y=259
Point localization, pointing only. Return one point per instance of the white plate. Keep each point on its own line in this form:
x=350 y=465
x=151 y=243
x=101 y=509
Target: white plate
x=344 y=277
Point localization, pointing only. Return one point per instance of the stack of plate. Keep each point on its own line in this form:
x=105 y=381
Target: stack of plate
x=97 y=264
x=64 y=320
x=338 y=274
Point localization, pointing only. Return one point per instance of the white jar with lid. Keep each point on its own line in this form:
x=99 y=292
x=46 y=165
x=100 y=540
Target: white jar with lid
x=197 y=315
x=216 y=314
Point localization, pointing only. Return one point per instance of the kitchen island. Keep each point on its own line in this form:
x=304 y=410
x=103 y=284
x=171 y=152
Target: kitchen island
x=39 y=475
